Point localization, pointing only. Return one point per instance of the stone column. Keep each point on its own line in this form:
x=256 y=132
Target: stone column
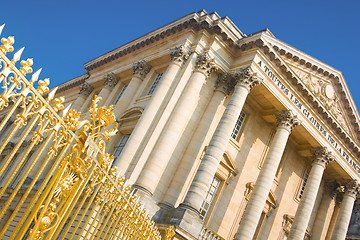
x=324 y=214
x=322 y=157
x=140 y=69
x=251 y=216
x=85 y=91
x=245 y=80
x=223 y=86
x=178 y=56
x=110 y=80
x=351 y=189
x=155 y=165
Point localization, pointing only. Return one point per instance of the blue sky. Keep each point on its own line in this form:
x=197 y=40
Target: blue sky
x=62 y=35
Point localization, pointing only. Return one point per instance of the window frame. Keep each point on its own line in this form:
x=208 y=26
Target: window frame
x=154 y=84
x=243 y=115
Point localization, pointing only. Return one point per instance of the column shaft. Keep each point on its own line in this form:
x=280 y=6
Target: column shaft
x=193 y=149
x=322 y=221
x=159 y=158
x=345 y=211
x=307 y=202
x=127 y=96
x=262 y=186
x=215 y=150
x=178 y=55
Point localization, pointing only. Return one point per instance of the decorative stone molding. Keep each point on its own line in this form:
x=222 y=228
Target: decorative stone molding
x=287 y=119
x=179 y=54
x=110 y=80
x=86 y=89
x=207 y=234
x=351 y=188
x=322 y=156
x=205 y=65
x=332 y=189
x=247 y=77
x=141 y=68
x=225 y=83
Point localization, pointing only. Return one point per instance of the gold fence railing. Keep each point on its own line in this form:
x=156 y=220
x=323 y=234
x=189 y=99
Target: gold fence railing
x=56 y=180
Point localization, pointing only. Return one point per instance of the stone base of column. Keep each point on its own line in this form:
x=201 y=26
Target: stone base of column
x=146 y=200
x=184 y=217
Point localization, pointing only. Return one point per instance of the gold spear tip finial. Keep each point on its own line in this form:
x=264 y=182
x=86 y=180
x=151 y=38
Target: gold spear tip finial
x=17 y=55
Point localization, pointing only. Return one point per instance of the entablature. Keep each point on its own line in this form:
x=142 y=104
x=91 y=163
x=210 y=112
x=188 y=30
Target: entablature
x=257 y=41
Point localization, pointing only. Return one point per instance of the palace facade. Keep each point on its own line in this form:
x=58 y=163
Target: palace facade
x=226 y=135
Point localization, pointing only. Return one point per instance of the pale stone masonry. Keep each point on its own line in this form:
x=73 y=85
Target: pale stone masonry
x=241 y=136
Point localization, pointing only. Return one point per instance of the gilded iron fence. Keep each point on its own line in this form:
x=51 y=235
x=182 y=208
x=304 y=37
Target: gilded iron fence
x=56 y=180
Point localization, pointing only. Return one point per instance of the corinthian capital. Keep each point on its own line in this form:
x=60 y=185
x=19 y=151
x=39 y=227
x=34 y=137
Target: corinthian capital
x=351 y=188
x=205 y=65
x=225 y=83
x=322 y=156
x=179 y=54
x=110 y=80
x=85 y=89
x=247 y=77
x=141 y=68
x=287 y=119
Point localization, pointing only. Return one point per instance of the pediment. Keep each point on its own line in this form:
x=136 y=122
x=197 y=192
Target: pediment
x=325 y=91
x=333 y=101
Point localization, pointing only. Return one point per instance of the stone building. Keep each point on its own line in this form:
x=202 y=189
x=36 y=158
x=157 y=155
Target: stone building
x=227 y=135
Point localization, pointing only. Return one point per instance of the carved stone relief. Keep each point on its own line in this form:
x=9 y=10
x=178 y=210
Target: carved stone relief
x=325 y=92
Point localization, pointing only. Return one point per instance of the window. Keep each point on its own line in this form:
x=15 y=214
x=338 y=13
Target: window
x=238 y=125
x=120 y=93
x=118 y=149
x=209 y=197
x=154 y=84
x=302 y=188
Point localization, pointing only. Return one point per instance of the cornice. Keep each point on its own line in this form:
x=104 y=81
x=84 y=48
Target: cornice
x=72 y=83
x=201 y=20
x=273 y=53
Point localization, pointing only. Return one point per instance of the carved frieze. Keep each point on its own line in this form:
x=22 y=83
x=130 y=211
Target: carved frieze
x=325 y=92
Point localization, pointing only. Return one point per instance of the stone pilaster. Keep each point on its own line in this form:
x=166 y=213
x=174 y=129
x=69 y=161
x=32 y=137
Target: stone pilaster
x=350 y=191
x=178 y=55
x=218 y=143
x=324 y=214
x=222 y=88
x=140 y=70
x=286 y=122
x=84 y=92
x=160 y=156
x=322 y=157
x=110 y=80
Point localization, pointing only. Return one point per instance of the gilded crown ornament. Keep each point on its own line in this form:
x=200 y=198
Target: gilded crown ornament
x=205 y=65
x=179 y=54
x=322 y=156
x=141 y=69
x=247 y=77
x=287 y=120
